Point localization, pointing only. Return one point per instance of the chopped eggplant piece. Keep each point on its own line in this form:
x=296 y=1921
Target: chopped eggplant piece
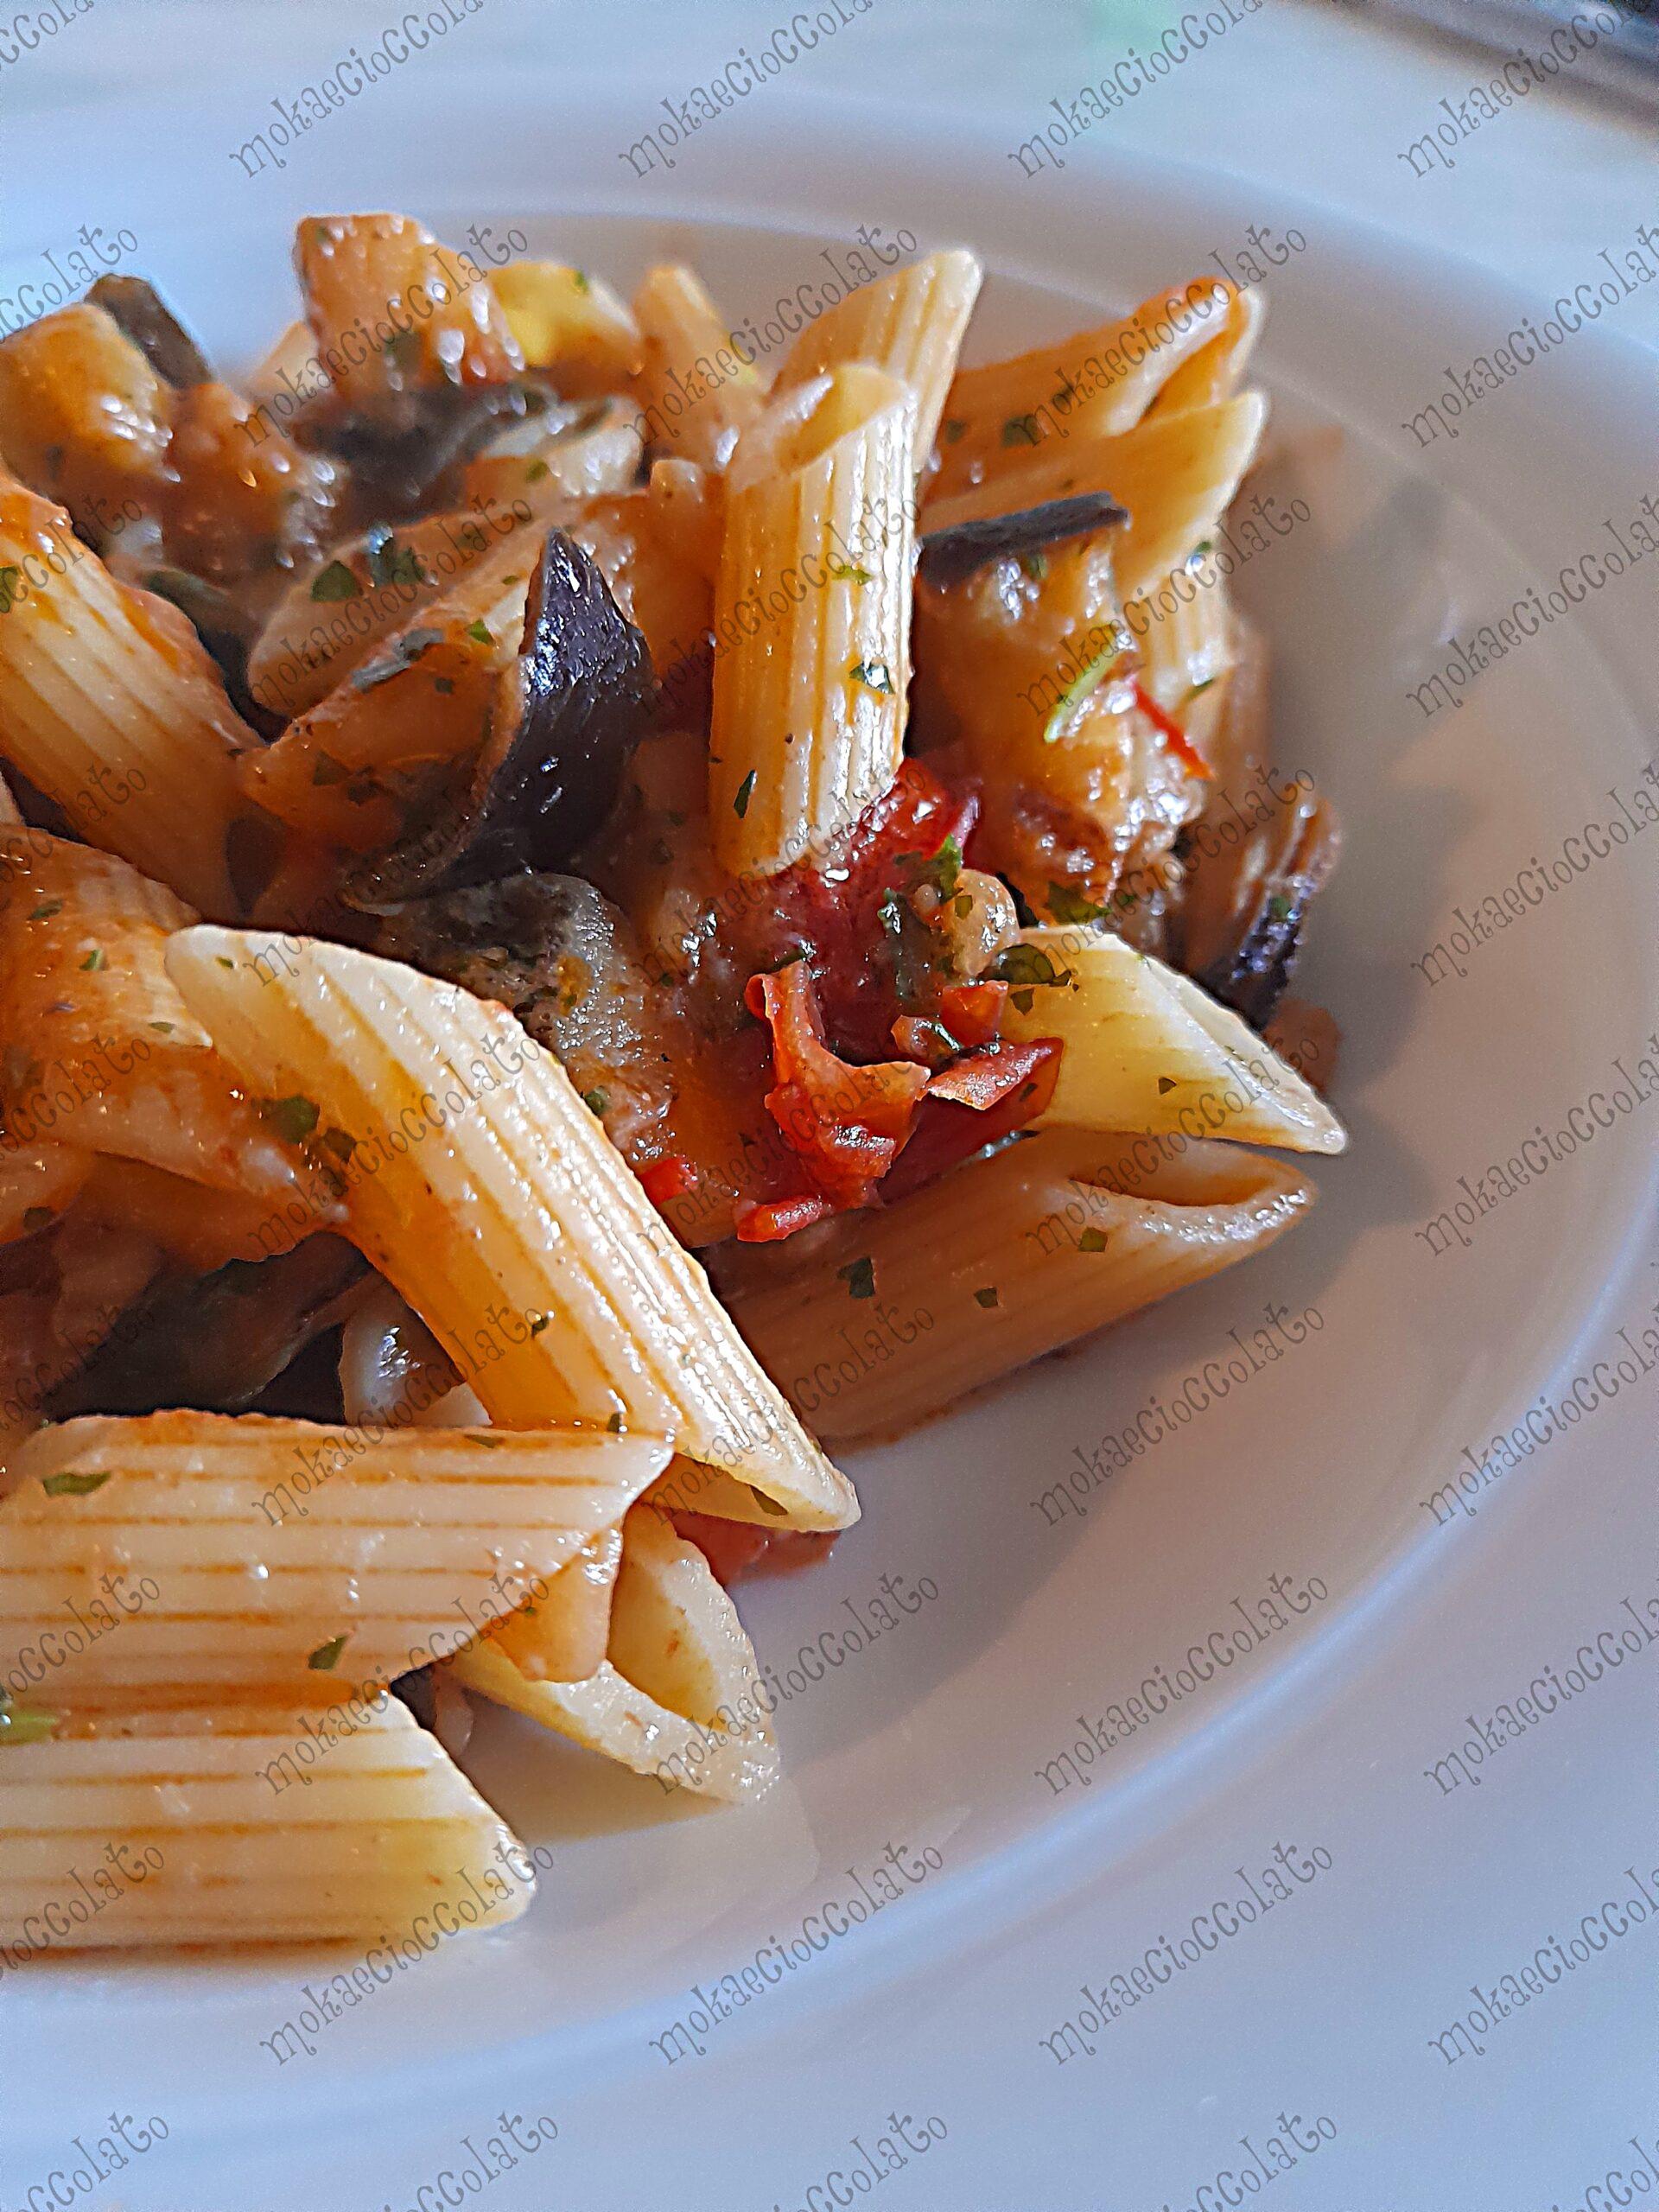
x=1245 y=910
x=402 y=470
x=138 y=308
x=217 y=1341
x=565 y=717
x=950 y=555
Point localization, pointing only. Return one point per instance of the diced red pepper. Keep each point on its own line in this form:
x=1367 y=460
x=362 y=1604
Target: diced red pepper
x=770 y=1220
x=667 y=1179
x=947 y=1132
x=972 y=1012
x=984 y=1078
x=1173 y=735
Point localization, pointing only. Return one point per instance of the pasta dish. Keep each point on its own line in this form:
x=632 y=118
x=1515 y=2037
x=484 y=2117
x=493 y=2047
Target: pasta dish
x=580 y=929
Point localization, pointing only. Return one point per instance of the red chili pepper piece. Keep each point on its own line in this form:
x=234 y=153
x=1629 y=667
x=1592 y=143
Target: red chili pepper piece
x=1173 y=735
x=670 y=1177
x=772 y=1219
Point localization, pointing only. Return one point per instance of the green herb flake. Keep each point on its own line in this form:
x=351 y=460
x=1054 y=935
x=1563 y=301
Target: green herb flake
x=536 y=470
x=325 y=1657
x=339 y=1143
x=336 y=582
x=874 y=675
x=93 y=961
x=768 y=1505
x=70 y=1484
x=745 y=793
x=390 y=564
x=24 y=1723
x=161 y=1028
x=479 y=633
x=293 y=1118
x=1092 y=1240
x=10 y=594
x=614 y=1425
x=942 y=870
x=849 y=572
x=1035 y=566
x=1020 y=430
x=1028 y=964
x=859 y=1275
x=1279 y=909
x=1085 y=683
x=1024 y=1000
x=36 y=1217
x=47 y=908
x=1071 y=907
x=579 y=278
x=954 y=428
x=595 y=1101
x=402 y=655
x=223 y=960
x=986 y=1298
x=539 y=1322
x=1165 y=1085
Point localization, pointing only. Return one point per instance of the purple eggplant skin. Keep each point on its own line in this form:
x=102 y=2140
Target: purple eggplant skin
x=141 y=316
x=565 y=718
x=951 y=554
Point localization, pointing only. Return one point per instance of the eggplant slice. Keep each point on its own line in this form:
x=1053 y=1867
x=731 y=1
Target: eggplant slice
x=960 y=549
x=141 y=314
x=1245 y=910
x=565 y=717
x=216 y=1342
x=401 y=472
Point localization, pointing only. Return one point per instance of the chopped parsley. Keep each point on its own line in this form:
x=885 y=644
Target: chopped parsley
x=403 y=654
x=595 y=1101
x=986 y=1298
x=161 y=1028
x=1165 y=1085
x=1279 y=907
x=336 y=582
x=1035 y=566
x=70 y=1484
x=479 y=633
x=47 y=908
x=859 y=1275
x=1071 y=907
x=293 y=1118
x=93 y=961
x=539 y=1322
x=1085 y=683
x=388 y=564
x=1020 y=430
x=24 y=1723
x=536 y=470
x=874 y=675
x=1028 y=965
x=579 y=278
x=954 y=428
x=745 y=793
x=325 y=1657
x=941 y=871
x=615 y=1424
x=1092 y=1240
x=850 y=572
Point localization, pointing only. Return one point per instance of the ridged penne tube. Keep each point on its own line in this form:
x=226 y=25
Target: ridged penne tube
x=910 y=323
x=111 y=706
x=697 y=393
x=210 y=1555
x=676 y=1697
x=1185 y=629
x=507 y=1219
x=562 y=1637
x=1147 y=1050
x=187 y=1828
x=1000 y=1261
x=102 y=1053
x=1217 y=370
x=809 y=701
x=1175 y=473
x=1096 y=384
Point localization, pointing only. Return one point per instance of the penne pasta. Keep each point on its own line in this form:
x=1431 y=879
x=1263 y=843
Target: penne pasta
x=1215 y=371
x=103 y=1054
x=1146 y=1050
x=1003 y=1260
x=570 y=323
x=696 y=395
x=282 y=1558
x=187 y=1828
x=110 y=705
x=1096 y=384
x=676 y=1697
x=810 y=701
x=1176 y=474
x=910 y=323
x=507 y=1219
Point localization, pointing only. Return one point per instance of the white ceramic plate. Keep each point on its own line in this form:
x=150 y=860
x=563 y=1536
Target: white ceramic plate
x=1315 y=1469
